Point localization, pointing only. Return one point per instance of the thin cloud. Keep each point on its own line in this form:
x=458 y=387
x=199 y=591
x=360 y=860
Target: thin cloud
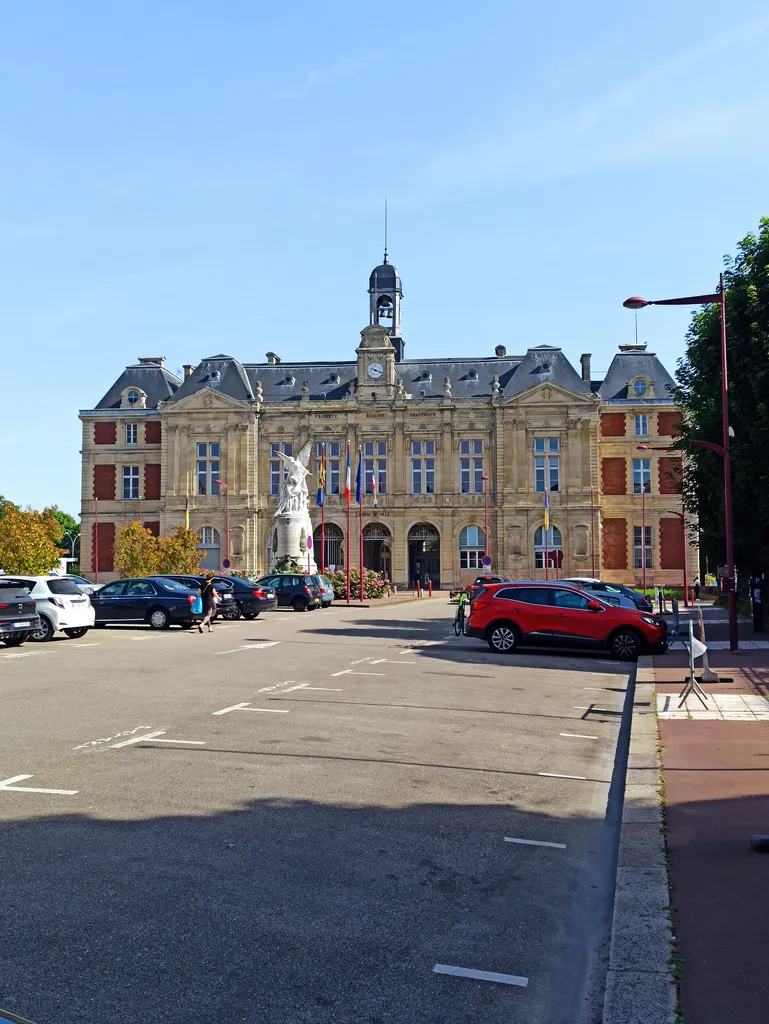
x=344 y=68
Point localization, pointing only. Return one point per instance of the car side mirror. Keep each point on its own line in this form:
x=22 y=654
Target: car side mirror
x=594 y=606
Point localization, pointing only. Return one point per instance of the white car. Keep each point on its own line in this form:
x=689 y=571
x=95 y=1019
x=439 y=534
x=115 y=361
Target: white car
x=61 y=605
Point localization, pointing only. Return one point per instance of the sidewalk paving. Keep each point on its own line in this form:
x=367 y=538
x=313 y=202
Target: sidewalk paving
x=716 y=771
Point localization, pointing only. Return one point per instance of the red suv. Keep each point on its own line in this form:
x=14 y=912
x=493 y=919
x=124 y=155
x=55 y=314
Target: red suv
x=509 y=615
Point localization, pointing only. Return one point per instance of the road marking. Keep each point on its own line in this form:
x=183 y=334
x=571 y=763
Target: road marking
x=407 y=652
x=331 y=689
x=598 y=689
x=536 y=842
x=27 y=654
x=593 y=707
x=350 y=672
x=252 y=647
x=106 y=739
x=142 y=638
x=244 y=707
x=555 y=775
x=577 y=736
x=8 y=785
x=96 y=643
x=155 y=737
x=466 y=972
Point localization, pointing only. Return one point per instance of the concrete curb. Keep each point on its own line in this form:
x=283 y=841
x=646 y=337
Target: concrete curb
x=640 y=986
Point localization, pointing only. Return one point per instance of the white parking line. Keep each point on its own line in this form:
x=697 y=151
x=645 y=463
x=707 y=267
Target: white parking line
x=350 y=672
x=155 y=737
x=97 y=643
x=252 y=647
x=536 y=842
x=7 y=785
x=576 y=736
x=244 y=707
x=465 y=972
x=555 y=775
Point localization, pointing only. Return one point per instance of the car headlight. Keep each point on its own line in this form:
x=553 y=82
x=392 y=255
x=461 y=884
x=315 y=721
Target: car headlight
x=649 y=620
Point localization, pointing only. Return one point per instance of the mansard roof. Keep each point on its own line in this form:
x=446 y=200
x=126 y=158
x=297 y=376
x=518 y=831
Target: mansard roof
x=627 y=366
x=158 y=383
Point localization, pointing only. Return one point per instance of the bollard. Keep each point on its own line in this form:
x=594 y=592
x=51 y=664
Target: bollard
x=429 y=588
x=419 y=589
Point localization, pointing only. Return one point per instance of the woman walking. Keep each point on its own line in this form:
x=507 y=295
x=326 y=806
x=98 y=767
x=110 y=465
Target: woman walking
x=208 y=596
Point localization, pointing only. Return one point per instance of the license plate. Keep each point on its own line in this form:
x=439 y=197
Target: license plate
x=21 y=625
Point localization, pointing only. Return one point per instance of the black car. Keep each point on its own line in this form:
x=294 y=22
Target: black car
x=293 y=590
x=239 y=596
x=156 y=600
x=18 y=617
x=227 y=605
x=642 y=601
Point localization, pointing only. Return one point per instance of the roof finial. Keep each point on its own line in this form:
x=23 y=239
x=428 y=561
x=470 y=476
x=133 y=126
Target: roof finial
x=385 y=233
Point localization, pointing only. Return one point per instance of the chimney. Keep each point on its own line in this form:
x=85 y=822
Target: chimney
x=152 y=360
x=189 y=369
x=272 y=359
x=585 y=361
x=500 y=351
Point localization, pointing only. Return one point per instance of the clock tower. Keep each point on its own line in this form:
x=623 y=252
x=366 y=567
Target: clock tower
x=376 y=363
x=385 y=294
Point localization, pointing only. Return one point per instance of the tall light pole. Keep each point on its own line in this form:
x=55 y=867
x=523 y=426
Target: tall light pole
x=486 y=515
x=681 y=515
x=226 y=487
x=96 y=539
x=722 y=449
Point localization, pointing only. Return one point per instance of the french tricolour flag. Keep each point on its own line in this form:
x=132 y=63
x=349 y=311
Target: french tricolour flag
x=347 y=479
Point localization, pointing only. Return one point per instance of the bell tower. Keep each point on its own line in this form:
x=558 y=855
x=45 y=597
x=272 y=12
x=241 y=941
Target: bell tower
x=385 y=292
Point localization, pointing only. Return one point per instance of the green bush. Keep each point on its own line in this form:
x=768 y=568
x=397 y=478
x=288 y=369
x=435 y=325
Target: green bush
x=375 y=584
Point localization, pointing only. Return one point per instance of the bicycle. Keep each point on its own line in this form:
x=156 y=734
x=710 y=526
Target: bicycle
x=459 y=618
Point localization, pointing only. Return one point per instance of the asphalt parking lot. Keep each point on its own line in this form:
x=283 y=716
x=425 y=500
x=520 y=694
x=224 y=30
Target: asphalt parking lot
x=300 y=818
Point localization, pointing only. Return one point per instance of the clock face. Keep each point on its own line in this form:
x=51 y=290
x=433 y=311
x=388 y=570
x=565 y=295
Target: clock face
x=375 y=371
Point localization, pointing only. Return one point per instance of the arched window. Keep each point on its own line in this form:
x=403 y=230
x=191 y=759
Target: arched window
x=472 y=547
x=553 y=545
x=209 y=547
x=334 y=553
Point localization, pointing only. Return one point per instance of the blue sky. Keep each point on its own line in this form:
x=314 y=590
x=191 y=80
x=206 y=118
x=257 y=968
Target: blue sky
x=182 y=179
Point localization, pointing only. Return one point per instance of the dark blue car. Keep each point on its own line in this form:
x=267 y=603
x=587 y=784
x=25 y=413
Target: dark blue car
x=158 y=601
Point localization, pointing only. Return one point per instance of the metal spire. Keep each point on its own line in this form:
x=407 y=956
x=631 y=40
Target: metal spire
x=385 y=231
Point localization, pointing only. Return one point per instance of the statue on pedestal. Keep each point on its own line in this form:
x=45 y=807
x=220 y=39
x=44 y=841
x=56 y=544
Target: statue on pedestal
x=293 y=517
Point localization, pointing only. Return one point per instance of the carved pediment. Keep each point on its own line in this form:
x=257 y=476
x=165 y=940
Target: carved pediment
x=548 y=392
x=205 y=400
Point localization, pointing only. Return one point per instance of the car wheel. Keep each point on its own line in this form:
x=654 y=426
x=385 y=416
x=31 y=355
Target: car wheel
x=250 y=615
x=75 y=634
x=45 y=632
x=14 y=639
x=503 y=638
x=299 y=604
x=326 y=604
x=625 y=645
x=231 y=612
x=159 y=618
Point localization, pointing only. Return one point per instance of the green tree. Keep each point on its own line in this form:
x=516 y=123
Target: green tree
x=698 y=393
x=179 y=551
x=4 y=503
x=136 y=551
x=71 y=527
x=29 y=540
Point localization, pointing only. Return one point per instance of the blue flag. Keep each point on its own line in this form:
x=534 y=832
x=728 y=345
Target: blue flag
x=321 y=478
x=359 y=479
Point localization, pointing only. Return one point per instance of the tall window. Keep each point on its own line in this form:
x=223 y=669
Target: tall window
x=547 y=464
x=132 y=433
x=471 y=467
x=472 y=547
x=333 y=465
x=550 y=545
x=638 y=553
x=209 y=468
x=642 y=476
x=375 y=464
x=423 y=467
x=641 y=424
x=130 y=482
x=277 y=469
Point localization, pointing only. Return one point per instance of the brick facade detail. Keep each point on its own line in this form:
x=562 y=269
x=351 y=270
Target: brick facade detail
x=615 y=543
x=668 y=424
x=613 y=424
x=153 y=527
x=106 y=546
x=614 y=476
x=152 y=432
x=104 y=482
x=671 y=544
x=670 y=476
x=105 y=433
x=152 y=481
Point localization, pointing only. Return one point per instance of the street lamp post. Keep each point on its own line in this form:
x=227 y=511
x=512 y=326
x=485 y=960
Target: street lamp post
x=681 y=515
x=96 y=539
x=722 y=449
x=226 y=487
x=486 y=514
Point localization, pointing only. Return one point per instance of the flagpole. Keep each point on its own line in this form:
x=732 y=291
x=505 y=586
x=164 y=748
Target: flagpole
x=547 y=531
x=323 y=509
x=362 y=486
x=347 y=494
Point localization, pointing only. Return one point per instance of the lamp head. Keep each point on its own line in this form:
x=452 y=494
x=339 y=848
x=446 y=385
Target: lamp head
x=635 y=302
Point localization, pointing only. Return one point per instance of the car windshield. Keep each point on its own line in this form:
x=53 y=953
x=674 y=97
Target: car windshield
x=63 y=587
x=173 y=586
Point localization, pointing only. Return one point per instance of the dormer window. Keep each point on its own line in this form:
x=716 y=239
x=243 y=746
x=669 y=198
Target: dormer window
x=333 y=378
x=640 y=387
x=473 y=375
x=132 y=397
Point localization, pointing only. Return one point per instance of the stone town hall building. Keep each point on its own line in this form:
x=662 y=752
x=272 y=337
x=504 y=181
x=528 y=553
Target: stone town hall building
x=431 y=431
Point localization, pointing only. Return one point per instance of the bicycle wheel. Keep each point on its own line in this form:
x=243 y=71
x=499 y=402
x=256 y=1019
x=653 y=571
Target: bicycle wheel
x=459 y=622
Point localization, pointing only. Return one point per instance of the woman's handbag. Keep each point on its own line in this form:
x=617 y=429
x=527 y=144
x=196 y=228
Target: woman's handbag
x=197 y=606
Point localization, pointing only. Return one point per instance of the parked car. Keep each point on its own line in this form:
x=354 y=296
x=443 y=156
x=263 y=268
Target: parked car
x=293 y=590
x=482 y=581
x=84 y=585
x=18 y=617
x=60 y=604
x=11 y=1018
x=641 y=601
x=510 y=615
x=240 y=596
x=156 y=600
x=196 y=583
x=326 y=590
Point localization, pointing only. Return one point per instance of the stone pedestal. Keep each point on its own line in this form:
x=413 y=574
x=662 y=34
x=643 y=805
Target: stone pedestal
x=289 y=526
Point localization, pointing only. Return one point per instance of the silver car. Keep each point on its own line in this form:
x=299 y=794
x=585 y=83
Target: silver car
x=326 y=590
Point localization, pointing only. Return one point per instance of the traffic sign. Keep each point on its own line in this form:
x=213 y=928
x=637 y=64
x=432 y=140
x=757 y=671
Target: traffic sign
x=309 y=543
x=226 y=563
x=486 y=560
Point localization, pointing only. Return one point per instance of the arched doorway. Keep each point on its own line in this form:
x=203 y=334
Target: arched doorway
x=334 y=546
x=377 y=548
x=424 y=544
x=209 y=548
x=550 y=547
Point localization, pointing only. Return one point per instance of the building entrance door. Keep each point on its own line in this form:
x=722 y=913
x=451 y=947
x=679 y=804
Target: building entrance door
x=376 y=548
x=424 y=545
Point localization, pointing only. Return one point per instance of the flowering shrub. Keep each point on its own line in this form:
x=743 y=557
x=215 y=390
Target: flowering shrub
x=375 y=584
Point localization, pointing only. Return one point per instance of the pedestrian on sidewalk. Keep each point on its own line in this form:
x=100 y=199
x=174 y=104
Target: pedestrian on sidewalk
x=696 y=586
x=208 y=596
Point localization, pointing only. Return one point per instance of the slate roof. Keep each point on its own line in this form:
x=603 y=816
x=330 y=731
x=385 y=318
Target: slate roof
x=221 y=373
x=158 y=383
x=627 y=365
x=384 y=278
